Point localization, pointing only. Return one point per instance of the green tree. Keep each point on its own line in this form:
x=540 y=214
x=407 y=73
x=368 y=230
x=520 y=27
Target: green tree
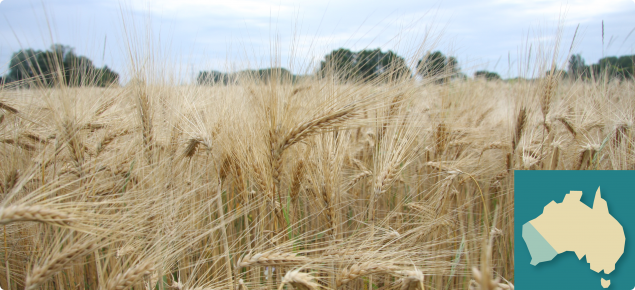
x=105 y=76
x=27 y=64
x=436 y=65
x=58 y=65
x=365 y=65
x=341 y=62
x=452 y=65
x=626 y=64
x=393 y=66
x=577 y=68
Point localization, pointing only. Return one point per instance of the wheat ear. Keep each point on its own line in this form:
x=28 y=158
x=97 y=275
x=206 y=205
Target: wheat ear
x=521 y=121
x=314 y=126
x=296 y=182
x=132 y=275
x=555 y=158
x=271 y=259
x=304 y=130
x=495 y=145
x=8 y=108
x=18 y=143
x=327 y=199
x=387 y=176
x=193 y=144
x=104 y=107
x=620 y=131
x=569 y=126
x=41 y=273
x=299 y=280
x=545 y=101
x=356 y=178
x=413 y=280
x=108 y=139
x=482 y=117
x=22 y=213
x=358 y=270
x=441 y=138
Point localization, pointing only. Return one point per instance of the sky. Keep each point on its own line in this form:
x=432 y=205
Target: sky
x=184 y=37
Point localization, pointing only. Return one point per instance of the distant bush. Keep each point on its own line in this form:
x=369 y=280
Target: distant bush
x=212 y=77
x=487 y=75
x=258 y=76
x=557 y=72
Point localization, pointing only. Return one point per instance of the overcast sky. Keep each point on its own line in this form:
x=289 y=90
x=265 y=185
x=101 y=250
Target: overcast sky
x=223 y=35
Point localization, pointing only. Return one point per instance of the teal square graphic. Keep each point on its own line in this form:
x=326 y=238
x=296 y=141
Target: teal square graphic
x=533 y=190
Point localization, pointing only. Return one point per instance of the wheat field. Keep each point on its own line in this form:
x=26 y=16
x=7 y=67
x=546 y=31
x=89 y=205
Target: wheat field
x=317 y=184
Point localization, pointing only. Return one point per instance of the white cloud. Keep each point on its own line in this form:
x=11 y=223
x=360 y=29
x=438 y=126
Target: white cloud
x=573 y=10
x=203 y=8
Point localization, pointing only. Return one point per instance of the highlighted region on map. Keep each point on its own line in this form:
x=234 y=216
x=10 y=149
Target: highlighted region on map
x=540 y=249
x=573 y=226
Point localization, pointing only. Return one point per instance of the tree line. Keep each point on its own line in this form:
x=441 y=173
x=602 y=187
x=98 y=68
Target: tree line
x=57 y=65
x=366 y=65
x=61 y=64
x=372 y=65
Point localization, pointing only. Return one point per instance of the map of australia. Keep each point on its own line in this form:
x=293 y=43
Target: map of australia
x=573 y=226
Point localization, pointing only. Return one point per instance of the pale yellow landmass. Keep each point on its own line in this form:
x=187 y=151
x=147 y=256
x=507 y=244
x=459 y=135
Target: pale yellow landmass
x=573 y=226
x=605 y=283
